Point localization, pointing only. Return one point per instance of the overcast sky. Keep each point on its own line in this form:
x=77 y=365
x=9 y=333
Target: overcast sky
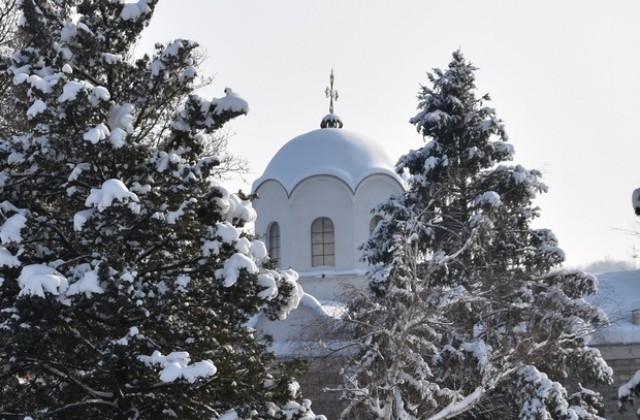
x=563 y=75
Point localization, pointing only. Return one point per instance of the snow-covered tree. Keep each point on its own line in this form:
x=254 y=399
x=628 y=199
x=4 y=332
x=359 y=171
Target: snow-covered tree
x=469 y=314
x=628 y=391
x=127 y=278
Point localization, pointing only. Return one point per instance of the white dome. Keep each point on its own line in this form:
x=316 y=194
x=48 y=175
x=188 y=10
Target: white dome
x=341 y=153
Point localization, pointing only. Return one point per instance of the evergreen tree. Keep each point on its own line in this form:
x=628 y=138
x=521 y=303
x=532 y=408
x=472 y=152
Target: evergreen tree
x=127 y=279
x=469 y=315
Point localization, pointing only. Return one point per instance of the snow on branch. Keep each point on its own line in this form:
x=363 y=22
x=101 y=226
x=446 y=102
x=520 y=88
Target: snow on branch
x=10 y=233
x=176 y=366
x=35 y=279
x=10 y=230
x=230 y=272
x=38 y=107
x=112 y=189
x=232 y=102
x=626 y=391
x=490 y=198
x=134 y=11
x=96 y=134
x=459 y=407
x=87 y=285
x=7 y=259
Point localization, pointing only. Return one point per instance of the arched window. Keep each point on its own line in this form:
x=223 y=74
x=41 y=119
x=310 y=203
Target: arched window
x=273 y=241
x=373 y=224
x=322 y=242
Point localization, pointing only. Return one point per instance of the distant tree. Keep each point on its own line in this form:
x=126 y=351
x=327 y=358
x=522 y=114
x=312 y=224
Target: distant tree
x=8 y=22
x=608 y=265
x=8 y=41
x=127 y=278
x=469 y=315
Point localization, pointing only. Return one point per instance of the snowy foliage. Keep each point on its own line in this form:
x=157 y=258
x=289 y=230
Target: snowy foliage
x=469 y=314
x=176 y=366
x=35 y=279
x=127 y=275
x=110 y=191
x=628 y=391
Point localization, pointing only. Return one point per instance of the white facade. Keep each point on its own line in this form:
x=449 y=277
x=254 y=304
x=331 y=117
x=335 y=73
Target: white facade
x=327 y=173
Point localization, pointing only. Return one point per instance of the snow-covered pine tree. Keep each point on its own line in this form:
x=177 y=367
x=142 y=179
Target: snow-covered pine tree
x=127 y=279
x=469 y=315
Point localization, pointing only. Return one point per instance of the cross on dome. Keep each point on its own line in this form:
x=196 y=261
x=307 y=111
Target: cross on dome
x=331 y=120
x=331 y=93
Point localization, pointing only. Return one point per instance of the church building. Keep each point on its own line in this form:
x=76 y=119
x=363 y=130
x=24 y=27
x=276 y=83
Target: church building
x=315 y=204
x=315 y=210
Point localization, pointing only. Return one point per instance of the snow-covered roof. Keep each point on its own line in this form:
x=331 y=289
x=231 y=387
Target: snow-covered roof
x=341 y=153
x=618 y=296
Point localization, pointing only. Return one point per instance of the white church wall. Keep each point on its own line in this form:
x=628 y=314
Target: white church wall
x=272 y=206
x=320 y=196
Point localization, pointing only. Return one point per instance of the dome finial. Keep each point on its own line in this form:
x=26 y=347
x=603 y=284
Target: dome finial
x=331 y=120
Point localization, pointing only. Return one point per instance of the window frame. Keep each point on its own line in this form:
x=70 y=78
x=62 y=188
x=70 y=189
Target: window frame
x=373 y=224
x=274 y=242
x=323 y=243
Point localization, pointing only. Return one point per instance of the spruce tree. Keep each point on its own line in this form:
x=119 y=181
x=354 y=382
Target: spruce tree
x=127 y=278
x=469 y=314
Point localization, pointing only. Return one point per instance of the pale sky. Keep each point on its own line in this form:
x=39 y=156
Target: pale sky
x=563 y=75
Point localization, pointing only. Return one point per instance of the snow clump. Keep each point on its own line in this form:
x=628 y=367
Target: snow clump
x=120 y=121
x=10 y=230
x=80 y=218
x=112 y=189
x=258 y=250
x=270 y=286
x=133 y=11
x=96 y=134
x=235 y=208
x=626 y=390
x=133 y=332
x=77 y=171
x=88 y=284
x=231 y=102
x=7 y=259
x=290 y=277
x=230 y=272
x=491 y=198
x=70 y=90
x=38 y=107
x=35 y=279
x=120 y=116
x=176 y=366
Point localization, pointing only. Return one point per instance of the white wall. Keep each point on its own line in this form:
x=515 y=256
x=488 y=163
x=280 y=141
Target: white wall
x=322 y=196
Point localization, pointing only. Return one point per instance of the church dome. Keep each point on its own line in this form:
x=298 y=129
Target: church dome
x=340 y=153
